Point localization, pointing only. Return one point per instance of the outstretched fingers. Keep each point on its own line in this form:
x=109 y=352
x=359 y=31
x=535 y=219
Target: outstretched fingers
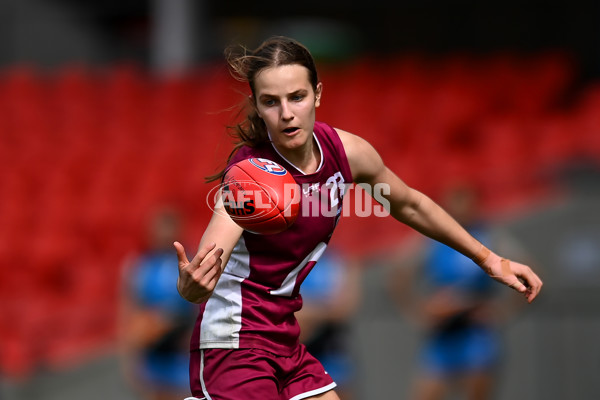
x=181 y=256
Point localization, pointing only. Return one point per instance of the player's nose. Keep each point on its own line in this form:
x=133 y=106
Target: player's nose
x=286 y=112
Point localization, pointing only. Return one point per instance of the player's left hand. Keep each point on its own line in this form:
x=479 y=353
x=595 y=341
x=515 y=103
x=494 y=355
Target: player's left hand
x=513 y=274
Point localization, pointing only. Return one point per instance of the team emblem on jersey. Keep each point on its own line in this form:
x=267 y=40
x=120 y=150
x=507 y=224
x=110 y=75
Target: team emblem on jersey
x=268 y=166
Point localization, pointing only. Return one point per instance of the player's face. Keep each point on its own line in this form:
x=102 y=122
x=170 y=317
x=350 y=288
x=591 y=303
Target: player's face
x=286 y=102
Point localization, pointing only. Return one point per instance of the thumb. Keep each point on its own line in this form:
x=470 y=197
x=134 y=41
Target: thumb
x=510 y=275
x=181 y=256
x=516 y=284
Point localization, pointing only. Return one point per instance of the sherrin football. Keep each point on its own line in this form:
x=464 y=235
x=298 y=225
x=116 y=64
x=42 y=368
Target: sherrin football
x=261 y=196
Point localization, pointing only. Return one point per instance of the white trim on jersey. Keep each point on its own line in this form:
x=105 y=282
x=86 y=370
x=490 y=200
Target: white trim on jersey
x=287 y=287
x=222 y=318
x=289 y=162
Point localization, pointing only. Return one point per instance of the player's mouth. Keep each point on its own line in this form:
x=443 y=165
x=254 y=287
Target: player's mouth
x=291 y=130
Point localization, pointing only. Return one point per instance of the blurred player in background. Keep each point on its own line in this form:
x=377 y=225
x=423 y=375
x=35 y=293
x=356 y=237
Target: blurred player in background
x=459 y=309
x=331 y=295
x=155 y=322
x=246 y=340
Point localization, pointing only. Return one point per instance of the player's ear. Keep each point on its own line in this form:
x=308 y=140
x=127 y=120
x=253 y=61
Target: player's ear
x=318 y=92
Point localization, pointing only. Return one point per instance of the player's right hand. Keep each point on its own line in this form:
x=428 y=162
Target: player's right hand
x=198 y=277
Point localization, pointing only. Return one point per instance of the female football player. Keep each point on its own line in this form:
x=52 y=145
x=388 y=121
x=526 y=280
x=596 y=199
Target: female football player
x=245 y=344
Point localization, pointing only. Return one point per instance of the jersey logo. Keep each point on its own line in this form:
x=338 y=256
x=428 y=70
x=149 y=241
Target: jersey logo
x=310 y=189
x=268 y=166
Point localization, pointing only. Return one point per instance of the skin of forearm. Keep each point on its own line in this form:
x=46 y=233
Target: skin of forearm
x=426 y=217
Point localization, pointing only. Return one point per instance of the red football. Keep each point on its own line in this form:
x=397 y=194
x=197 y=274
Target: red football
x=261 y=196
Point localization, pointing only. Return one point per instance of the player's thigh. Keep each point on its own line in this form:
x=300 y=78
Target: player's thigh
x=305 y=377
x=224 y=374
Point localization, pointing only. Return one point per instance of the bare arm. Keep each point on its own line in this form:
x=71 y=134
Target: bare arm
x=418 y=211
x=406 y=204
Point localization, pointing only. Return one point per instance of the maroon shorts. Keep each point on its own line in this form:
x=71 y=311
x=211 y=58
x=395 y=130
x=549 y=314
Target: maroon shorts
x=253 y=374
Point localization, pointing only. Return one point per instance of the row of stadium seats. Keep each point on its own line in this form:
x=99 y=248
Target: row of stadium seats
x=86 y=154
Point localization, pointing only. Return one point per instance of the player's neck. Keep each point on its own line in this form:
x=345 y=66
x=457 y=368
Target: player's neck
x=307 y=159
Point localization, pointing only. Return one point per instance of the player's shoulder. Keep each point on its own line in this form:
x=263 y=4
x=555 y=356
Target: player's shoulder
x=362 y=156
x=351 y=141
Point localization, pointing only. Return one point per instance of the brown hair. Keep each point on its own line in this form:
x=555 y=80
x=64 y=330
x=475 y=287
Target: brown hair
x=244 y=65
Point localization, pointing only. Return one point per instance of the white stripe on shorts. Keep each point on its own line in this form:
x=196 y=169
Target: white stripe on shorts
x=314 y=392
x=206 y=395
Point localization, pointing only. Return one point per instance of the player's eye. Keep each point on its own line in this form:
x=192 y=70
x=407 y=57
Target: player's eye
x=269 y=102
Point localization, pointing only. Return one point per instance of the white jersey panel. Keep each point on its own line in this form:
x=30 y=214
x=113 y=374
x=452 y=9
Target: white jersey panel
x=223 y=314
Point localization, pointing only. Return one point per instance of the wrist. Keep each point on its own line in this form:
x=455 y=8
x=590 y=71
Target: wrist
x=481 y=256
x=491 y=263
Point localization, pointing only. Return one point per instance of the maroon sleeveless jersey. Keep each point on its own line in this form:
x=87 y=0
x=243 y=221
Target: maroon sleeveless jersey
x=254 y=302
